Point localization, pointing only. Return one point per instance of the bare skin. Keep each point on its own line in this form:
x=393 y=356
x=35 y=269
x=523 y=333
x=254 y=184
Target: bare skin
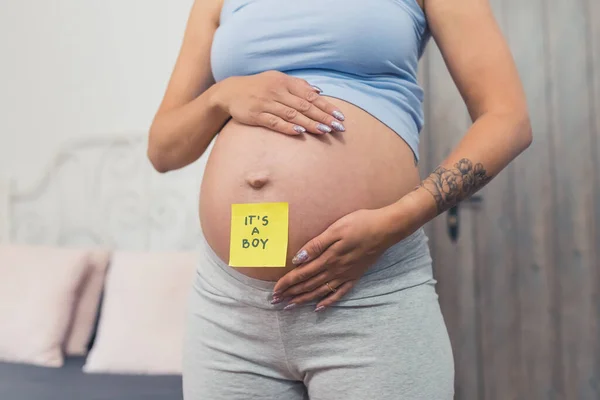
x=322 y=177
x=340 y=222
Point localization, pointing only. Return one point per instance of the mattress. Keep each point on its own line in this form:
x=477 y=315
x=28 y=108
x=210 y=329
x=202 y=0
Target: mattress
x=27 y=382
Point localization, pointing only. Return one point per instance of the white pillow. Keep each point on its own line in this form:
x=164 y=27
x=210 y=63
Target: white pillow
x=142 y=314
x=38 y=290
x=86 y=311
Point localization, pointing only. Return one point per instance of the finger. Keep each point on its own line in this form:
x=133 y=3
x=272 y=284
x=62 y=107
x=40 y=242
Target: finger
x=294 y=117
x=333 y=297
x=297 y=276
x=303 y=90
x=321 y=122
x=311 y=251
x=299 y=117
x=278 y=124
x=309 y=285
x=329 y=108
x=320 y=292
x=315 y=247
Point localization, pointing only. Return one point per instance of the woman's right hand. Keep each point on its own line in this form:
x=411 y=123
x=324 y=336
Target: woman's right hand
x=279 y=102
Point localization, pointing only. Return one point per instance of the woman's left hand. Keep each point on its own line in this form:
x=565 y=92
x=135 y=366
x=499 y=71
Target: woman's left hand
x=334 y=261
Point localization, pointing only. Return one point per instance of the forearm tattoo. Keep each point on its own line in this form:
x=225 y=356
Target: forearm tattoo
x=450 y=186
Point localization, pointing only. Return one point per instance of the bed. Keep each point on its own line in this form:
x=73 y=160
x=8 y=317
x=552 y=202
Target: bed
x=100 y=191
x=103 y=191
x=28 y=382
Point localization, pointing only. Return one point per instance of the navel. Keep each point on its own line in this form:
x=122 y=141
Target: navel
x=257 y=180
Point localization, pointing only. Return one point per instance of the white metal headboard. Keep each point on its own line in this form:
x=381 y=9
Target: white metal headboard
x=103 y=191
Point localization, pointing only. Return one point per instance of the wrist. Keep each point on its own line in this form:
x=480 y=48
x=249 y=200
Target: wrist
x=217 y=96
x=408 y=214
x=424 y=207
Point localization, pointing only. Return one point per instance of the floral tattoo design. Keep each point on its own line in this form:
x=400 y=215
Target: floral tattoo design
x=450 y=186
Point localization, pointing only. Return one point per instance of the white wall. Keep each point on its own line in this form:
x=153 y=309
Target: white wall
x=71 y=68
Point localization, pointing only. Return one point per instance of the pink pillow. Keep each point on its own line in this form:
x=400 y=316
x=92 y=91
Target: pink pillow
x=86 y=311
x=38 y=290
x=143 y=312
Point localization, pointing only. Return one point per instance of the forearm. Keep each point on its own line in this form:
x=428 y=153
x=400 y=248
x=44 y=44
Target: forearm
x=493 y=141
x=180 y=136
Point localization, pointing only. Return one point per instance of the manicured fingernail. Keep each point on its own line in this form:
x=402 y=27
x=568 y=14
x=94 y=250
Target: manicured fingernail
x=318 y=89
x=338 y=115
x=324 y=128
x=276 y=293
x=300 y=257
x=320 y=308
x=299 y=129
x=289 y=306
x=276 y=300
x=338 y=127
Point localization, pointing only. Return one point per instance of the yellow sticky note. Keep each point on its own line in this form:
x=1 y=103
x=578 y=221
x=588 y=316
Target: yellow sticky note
x=259 y=235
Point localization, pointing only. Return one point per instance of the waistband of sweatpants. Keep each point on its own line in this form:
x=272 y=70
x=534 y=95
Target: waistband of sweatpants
x=405 y=264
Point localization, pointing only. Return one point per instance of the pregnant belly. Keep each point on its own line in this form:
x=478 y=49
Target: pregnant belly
x=322 y=178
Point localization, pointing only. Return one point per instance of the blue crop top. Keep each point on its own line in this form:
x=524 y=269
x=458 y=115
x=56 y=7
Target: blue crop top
x=363 y=52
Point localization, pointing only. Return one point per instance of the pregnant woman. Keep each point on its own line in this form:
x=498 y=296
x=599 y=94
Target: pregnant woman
x=316 y=104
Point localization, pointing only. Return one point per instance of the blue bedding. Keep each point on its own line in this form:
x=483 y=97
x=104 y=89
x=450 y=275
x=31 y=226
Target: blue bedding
x=27 y=382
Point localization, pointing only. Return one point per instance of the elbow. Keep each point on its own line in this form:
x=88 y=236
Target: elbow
x=157 y=161
x=518 y=125
x=524 y=131
x=157 y=153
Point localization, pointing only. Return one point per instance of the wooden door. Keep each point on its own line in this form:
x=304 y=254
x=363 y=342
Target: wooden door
x=520 y=286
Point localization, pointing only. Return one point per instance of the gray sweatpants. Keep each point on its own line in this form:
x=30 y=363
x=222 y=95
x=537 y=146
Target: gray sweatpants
x=386 y=339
